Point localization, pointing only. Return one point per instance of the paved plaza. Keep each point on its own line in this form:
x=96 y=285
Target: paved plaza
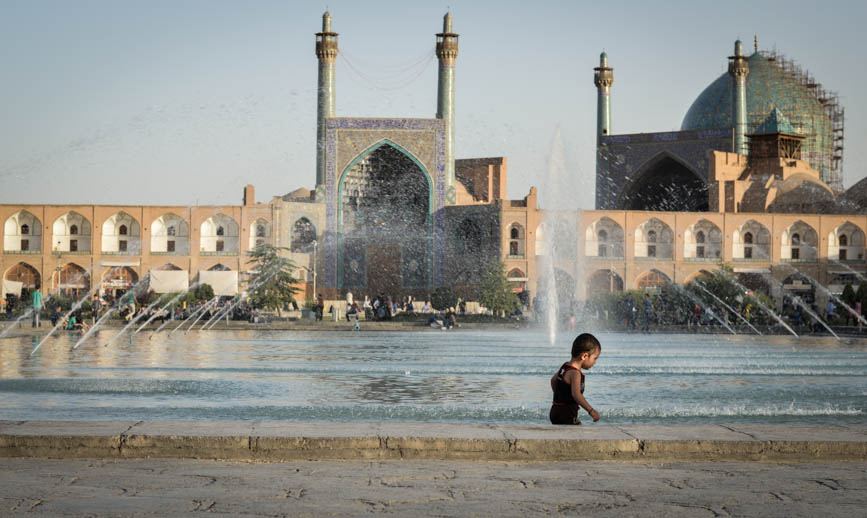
x=175 y=487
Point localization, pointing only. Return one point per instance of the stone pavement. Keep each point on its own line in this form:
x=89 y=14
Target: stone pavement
x=175 y=487
x=65 y=468
x=282 y=441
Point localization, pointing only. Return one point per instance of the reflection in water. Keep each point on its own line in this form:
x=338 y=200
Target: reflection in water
x=459 y=376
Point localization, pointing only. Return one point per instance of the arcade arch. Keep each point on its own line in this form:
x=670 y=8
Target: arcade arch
x=846 y=243
x=260 y=233
x=170 y=235
x=303 y=236
x=121 y=235
x=219 y=235
x=25 y=274
x=702 y=240
x=603 y=281
x=799 y=242
x=653 y=280
x=517 y=239
x=71 y=233
x=71 y=280
x=752 y=241
x=603 y=238
x=654 y=239
x=22 y=233
x=118 y=280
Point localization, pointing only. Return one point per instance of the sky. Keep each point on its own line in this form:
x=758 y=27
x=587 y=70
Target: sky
x=184 y=102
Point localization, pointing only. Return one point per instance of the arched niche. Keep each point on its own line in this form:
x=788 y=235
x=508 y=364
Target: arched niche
x=22 y=233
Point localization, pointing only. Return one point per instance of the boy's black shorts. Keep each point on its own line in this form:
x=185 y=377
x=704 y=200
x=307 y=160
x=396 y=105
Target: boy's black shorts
x=564 y=414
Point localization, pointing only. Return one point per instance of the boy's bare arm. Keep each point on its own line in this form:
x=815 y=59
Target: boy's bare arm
x=579 y=397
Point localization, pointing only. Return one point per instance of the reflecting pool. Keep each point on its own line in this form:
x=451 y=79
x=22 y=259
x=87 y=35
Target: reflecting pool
x=466 y=376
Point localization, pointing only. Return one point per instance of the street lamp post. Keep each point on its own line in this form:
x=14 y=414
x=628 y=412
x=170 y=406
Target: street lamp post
x=314 y=268
x=57 y=253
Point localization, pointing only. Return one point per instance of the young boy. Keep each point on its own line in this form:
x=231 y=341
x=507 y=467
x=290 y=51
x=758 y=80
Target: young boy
x=568 y=383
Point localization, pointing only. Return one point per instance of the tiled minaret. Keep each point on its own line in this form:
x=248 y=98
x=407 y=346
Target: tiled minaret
x=326 y=51
x=603 y=78
x=447 y=53
x=739 y=69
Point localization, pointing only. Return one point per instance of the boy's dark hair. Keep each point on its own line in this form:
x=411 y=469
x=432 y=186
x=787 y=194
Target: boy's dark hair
x=585 y=343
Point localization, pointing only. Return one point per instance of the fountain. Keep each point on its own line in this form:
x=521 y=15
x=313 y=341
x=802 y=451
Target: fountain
x=704 y=307
x=816 y=284
x=201 y=312
x=770 y=312
x=74 y=308
x=556 y=197
x=803 y=306
x=169 y=303
x=29 y=311
x=105 y=316
x=731 y=309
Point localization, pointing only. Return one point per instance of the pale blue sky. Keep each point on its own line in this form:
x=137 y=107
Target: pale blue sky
x=174 y=102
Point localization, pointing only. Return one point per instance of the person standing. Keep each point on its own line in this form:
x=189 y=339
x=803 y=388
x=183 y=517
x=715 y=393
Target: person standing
x=37 y=306
x=648 y=312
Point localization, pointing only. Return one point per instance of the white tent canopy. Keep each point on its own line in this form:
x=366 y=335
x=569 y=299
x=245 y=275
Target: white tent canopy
x=13 y=287
x=169 y=281
x=223 y=282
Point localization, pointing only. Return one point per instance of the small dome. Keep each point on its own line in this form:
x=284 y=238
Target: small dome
x=769 y=88
x=854 y=200
x=298 y=194
x=803 y=193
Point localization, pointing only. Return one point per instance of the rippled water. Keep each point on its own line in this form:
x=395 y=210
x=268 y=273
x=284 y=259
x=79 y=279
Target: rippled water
x=457 y=376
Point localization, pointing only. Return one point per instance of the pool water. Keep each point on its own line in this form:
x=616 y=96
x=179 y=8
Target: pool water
x=462 y=376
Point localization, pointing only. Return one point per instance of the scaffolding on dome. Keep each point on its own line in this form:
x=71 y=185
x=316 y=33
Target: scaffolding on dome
x=833 y=110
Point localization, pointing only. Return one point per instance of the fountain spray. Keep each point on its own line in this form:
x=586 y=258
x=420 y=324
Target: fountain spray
x=764 y=307
x=747 y=322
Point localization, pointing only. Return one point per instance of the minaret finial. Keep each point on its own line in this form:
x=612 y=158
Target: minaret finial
x=756 y=43
x=447 y=22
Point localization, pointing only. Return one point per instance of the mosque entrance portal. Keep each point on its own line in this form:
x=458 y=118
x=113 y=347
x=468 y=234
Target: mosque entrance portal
x=666 y=184
x=386 y=230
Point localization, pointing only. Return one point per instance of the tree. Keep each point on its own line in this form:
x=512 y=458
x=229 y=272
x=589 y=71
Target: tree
x=272 y=284
x=495 y=292
x=848 y=295
x=443 y=298
x=861 y=295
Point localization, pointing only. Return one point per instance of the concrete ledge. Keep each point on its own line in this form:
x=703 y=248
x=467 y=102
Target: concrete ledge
x=283 y=441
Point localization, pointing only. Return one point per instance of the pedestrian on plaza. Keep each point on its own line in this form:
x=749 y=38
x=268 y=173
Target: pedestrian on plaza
x=37 y=305
x=648 y=312
x=56 y=315
x=319 y=307
x=568 y=383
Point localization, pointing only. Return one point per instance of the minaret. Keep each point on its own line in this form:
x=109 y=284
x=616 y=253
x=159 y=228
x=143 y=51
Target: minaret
x=326 y=51
x=603 y=78
x=447 y=53
x=739 y=69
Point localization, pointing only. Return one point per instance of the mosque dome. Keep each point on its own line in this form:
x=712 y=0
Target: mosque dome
x=855 y=198
x=770 y=85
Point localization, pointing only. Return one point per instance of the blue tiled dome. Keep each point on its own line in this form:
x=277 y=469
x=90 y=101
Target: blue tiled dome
x=769 y=87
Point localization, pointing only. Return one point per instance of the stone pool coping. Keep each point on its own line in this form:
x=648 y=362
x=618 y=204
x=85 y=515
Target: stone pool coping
x=287 y=441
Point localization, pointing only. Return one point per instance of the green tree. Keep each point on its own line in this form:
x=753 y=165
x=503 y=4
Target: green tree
x=495 y=292
x=861 y=295
x=443 y=298
x=272 y=284
x=849 y=296
x=201 y=293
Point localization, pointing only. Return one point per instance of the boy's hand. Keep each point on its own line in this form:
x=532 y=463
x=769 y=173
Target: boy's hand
x=594 y=414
